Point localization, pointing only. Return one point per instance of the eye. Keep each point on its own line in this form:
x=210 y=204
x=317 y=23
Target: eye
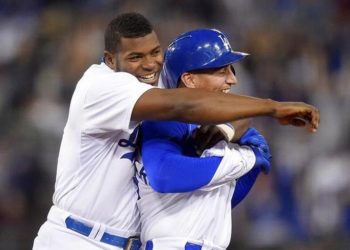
x=221 y=71
x=156 y=52
x=134 y=58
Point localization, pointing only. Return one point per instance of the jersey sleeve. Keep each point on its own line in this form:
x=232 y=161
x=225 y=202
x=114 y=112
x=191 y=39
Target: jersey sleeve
x=244 y=185
x=109 y=102
x=168 y=169
x=236 y=162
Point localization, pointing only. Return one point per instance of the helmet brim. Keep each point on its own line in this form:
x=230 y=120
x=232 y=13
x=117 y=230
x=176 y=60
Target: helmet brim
x=226 y=59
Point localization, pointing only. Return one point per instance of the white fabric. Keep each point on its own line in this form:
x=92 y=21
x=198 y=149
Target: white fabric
x=54 y=235
x=227 y=131
x=180 y=243
x=203 y=215
x=236 y=162
x=93 y=179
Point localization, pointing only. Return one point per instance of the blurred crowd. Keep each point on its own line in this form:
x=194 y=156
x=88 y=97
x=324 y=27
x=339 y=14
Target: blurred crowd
x=299 y=51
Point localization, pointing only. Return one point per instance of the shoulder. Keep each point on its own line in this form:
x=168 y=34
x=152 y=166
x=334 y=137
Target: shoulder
x=101 y=80
x=101 y=74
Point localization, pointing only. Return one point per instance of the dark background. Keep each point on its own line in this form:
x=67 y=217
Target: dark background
x=300 y=51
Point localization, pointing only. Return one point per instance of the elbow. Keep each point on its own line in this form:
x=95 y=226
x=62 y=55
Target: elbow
x=160 y=186
x=162 y=183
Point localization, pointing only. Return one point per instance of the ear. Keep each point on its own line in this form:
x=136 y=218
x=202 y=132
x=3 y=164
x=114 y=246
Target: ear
x=187 y=80
x=110 y=60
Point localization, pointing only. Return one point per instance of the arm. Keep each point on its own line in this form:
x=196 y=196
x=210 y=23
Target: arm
x=244 y=185
x=205 y=107
x=169 y=170
x=261 y=149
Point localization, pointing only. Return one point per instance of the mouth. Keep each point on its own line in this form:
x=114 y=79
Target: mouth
x=149 y=79
x=225 y=91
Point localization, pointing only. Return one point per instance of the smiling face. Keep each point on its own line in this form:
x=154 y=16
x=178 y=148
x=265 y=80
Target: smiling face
x=216 y=80
x=140 y=56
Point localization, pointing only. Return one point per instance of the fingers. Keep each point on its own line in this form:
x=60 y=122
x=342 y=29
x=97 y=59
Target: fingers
x=312 y=117
x=306 y=115
x=315 y=120
x=298 y=122
x=298 y=114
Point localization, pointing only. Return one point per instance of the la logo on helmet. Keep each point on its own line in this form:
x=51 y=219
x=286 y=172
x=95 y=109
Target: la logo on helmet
x=225 y=42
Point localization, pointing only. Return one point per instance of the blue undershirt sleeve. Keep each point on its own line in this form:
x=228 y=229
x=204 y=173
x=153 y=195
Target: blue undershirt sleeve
x=168 y=169
x=244 y=185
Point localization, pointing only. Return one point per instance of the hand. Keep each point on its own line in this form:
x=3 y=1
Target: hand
x=206 y=136
x=260 y=147
x=298 y=114
x=262 y=159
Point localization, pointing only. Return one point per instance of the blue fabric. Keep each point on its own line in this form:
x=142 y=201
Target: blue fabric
x=149 y=245
x=169 y=158
x=192 y=246
x=244 y=185
x=261 y=159
x=78 y=226
x=259 y=145
x=188 y=246
x=172 y=165
x=110 y=239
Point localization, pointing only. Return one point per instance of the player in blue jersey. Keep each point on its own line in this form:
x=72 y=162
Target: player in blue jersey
x=186 y=199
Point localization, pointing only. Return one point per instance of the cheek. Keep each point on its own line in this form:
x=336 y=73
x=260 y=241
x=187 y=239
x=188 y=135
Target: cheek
x=207 y=82
x=160 y=60
x=217 y=85
x=128 y=67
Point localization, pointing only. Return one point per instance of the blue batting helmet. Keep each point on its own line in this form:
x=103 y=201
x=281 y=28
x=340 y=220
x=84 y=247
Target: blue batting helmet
x=197 y=49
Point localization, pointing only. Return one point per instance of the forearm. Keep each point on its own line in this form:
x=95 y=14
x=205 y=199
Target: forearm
x=240 y=128
x=199 y=106
x=236 y=162
x=172 y=172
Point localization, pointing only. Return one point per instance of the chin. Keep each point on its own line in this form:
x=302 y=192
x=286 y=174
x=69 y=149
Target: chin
x=153 y=83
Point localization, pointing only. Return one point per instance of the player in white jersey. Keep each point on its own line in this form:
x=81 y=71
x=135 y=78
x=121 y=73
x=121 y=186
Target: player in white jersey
x=185 y=200
x=94 y=204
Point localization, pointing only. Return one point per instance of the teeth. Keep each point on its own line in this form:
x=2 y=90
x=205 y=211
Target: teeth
x=148 y=77
x=226 y=91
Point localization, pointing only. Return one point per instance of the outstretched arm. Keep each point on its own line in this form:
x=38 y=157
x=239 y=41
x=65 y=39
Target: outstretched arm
x=205 y=107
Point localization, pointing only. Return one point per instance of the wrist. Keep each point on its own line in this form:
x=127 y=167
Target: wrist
x=272 y=106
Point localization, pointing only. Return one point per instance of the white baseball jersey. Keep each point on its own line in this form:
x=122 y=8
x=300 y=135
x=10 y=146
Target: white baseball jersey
x=202 y=216
x=95 y=165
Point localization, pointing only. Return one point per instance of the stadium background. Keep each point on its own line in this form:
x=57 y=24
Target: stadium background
x=300 y=50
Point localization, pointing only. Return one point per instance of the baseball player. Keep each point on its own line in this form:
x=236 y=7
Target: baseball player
x=173 y=217
x=94 y=203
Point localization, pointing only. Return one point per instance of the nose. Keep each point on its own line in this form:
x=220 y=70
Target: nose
x=149 y=63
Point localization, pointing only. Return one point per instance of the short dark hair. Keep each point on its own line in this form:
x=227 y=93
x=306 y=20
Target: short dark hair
x=128 y=25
